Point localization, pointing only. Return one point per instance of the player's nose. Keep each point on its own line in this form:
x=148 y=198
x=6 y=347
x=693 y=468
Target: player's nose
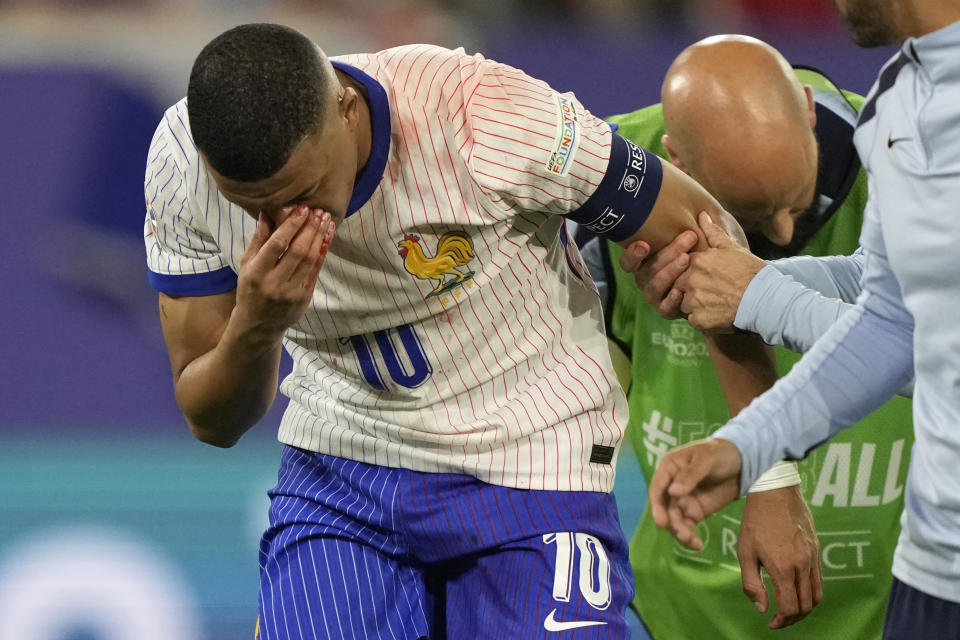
x=779 y=229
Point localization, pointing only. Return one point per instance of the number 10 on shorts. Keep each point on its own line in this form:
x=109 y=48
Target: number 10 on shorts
x=594 y=568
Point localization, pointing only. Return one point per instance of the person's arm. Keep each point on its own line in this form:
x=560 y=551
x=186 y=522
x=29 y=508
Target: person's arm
x=830 y=276
x=222 y=381
x=790 y=302
x=225 y=349
x=745 y=365
x=720 y=278
x=784 y=312
x=746 y=368
x=222 y=332
x=677 y=208
x=610 y=185
x=777 y=534
x=642 y=199
x=857 y=365
x=793 y=302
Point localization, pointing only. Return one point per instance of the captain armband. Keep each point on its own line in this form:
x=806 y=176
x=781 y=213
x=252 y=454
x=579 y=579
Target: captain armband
x=783 y=474
x=626 y=194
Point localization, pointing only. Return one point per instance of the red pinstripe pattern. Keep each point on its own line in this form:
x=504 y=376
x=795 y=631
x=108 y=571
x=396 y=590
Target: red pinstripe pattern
x=506 y=113
x=510 y=139
x=539 y=183
x=539 y=111
x=512 y=399
x=505 y=124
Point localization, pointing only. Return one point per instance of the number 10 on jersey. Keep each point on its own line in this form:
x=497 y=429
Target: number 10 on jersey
x=409 y=371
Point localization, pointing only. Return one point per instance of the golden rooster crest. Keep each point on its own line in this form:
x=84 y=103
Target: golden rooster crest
x=454 y=251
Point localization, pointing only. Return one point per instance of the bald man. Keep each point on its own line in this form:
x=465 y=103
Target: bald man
x=774 y=145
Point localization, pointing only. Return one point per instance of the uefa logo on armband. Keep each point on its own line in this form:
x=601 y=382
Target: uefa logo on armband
x=638 y=163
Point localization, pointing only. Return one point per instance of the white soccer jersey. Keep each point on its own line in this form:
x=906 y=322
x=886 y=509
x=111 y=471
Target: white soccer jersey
x=452 y=329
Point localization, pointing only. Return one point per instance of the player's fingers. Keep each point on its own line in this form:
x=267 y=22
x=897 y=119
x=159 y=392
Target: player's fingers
x=657 y=492
x=309 y=268
x=661 y=280
x=694 y=319
x=675 y=522
x=685 y=514
x=305 y=274
x=264 y=229
x=691 y=509
x=298 y=251
x=684 y=530
x=817 y=578
x=680 y=245
x=788 y=604
x=717 y=237
x=669 y=307
x=683 y=282
x=633 y=256
x=686 y=303
x=804 y=591
x=327 y=240
x=656 y=275
x=279 y=241
x=751 y=579
x=683 y=243
x=688 y=476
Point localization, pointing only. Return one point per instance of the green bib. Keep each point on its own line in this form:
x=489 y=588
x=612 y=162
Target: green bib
x=853 y=484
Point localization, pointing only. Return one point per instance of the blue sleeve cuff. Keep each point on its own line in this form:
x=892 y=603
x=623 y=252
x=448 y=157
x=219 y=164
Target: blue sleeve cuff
x=194 y=284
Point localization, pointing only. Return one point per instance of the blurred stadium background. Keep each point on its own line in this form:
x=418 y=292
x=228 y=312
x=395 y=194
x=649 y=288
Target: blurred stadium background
x=114 y=523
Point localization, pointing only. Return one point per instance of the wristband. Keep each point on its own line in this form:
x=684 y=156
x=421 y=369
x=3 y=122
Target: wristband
x=782 y=474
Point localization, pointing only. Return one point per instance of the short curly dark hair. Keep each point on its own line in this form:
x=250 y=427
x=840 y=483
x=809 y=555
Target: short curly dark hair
x=255 y=92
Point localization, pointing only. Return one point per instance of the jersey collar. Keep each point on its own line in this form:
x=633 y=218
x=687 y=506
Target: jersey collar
x=372 y=172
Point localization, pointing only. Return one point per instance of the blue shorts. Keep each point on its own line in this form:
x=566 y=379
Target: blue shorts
x=359 y=551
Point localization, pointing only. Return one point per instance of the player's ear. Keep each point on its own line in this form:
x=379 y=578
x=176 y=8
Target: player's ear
x=350 y=106
x=674 y=158
x=811 y=105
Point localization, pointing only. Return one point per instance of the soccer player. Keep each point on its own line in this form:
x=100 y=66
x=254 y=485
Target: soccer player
x=396 y=220
x=774 y=145
x=903 y=326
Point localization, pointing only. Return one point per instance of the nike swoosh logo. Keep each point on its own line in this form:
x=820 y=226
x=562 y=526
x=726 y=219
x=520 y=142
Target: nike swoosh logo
x=552 y=624
x=893 y=141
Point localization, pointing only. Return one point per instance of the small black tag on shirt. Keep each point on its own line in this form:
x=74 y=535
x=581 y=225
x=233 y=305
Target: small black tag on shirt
x=601 y=454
